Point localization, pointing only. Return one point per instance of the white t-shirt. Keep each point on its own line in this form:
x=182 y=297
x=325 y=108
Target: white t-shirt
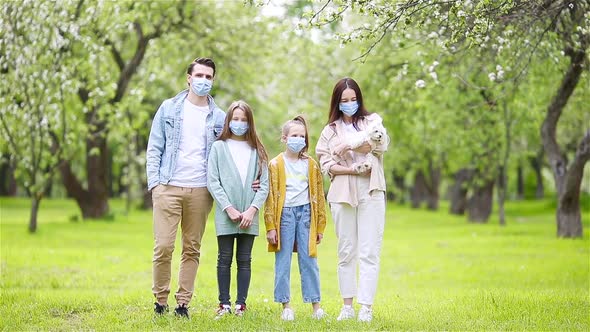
x=191 y=162
x=240 y=153
x=350 y=131
x=297 y=182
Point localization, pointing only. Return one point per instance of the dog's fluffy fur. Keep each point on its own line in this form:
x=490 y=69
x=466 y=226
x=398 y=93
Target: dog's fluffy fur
x=374 y=134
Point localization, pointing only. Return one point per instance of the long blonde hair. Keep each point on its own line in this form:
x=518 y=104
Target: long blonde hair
x=251 y=136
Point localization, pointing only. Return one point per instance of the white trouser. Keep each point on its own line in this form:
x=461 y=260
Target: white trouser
x=360 y=234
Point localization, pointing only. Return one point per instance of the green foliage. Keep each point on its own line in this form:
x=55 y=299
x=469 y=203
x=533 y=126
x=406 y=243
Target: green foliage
x=454 y=276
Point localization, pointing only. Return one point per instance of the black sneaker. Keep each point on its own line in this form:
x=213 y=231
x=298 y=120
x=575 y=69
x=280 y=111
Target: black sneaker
x=181 y=311
x=160 y=309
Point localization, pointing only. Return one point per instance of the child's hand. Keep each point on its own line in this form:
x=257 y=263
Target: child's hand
x=233 y=214
x=318 y=239
x=271 y=236
x=247 y=217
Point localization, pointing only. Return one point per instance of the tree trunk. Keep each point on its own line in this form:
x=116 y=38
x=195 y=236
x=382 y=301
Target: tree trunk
x=425 y=189
x=399 y=192
x=93 y=202
x=458 y=192
x=537 y=165
x=35 y=203
x=147 y=199
x=569 y=223
x=419 y=191
x=519 y=182
x=432 y=187
x=479 y=206
x=502 y=179
x=8 y=185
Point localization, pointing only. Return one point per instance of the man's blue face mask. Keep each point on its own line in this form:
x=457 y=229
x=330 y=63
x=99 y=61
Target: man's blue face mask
x=201 y=86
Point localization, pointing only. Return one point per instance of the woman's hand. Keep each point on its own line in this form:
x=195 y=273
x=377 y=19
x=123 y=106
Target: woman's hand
x=363 y=148
x=247 y=217
x=233 y=214
x=271 y=236
x=341 y=149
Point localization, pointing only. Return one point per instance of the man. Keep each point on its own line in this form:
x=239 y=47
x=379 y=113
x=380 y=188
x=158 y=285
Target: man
x=182 y=132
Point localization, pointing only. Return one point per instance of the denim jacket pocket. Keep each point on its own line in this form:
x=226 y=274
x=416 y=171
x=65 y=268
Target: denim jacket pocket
x=169 y=128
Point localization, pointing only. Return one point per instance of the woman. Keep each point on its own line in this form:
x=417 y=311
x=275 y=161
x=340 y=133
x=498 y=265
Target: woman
x=357 y=200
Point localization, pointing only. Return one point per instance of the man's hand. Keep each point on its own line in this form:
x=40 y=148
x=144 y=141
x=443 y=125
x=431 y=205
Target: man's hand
x=233 y=214
x=256 y=185
x=247 y=217
x=318 y=239
x=271 y=236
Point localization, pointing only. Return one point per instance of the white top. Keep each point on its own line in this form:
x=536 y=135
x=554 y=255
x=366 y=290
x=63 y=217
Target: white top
x=240 y=153
x=297 y=182
x=191 y=163
x=350 y=131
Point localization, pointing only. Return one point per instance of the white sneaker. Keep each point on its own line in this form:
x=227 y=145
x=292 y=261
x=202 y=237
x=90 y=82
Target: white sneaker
x=240 y=309
x=365 y=314
x=288 y=314
x=347 y=312
x=223 y=310
x=318 y=314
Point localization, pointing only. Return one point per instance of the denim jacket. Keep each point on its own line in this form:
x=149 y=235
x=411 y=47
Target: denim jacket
x=162 y=148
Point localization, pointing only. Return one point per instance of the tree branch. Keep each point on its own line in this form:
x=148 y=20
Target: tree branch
x=548 y=129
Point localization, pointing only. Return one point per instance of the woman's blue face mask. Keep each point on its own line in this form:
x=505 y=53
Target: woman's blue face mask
x=349 y=108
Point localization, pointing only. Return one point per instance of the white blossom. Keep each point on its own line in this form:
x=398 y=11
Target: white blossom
x=434 y=76
x=492 y=77
x=420 y=84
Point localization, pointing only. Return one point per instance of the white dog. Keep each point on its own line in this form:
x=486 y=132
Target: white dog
x=374 y=134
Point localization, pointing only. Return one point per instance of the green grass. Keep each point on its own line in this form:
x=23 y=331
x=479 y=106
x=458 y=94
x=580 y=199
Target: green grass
x=438 y=272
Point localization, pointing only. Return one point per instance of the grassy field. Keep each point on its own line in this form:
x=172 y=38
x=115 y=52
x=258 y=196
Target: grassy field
x=437 y=273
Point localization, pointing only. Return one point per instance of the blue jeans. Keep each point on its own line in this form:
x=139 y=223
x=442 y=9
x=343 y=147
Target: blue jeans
x=295 y=223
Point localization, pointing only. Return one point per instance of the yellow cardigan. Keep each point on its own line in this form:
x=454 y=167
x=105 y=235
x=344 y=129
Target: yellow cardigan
x=276 y=199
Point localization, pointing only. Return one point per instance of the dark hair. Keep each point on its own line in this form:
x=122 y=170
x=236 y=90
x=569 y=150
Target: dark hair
x=335 y=113
x=201 y=61
x=251 y=136
x=298 y=120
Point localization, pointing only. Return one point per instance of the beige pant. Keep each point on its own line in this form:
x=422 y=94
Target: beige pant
x=360 y=234
x=190 y=207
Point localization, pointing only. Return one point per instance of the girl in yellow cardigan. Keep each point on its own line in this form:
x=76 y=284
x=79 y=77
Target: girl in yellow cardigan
x=295 y=217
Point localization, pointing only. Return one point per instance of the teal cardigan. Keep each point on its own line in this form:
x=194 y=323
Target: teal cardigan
x=225 y=185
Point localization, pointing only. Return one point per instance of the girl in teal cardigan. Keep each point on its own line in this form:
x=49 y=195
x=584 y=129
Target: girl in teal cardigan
x=237 y=159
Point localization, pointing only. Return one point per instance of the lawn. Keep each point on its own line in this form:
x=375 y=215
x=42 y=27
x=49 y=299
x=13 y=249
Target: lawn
x=438 y=272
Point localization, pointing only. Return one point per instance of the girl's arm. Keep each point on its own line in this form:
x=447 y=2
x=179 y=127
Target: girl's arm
x=214 y=180
x=321 y=205
x=258 y=200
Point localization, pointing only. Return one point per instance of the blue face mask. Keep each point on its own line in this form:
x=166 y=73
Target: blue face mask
x=201 y=86
x=349 y=108
x=296 y=144
x=238 y=128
